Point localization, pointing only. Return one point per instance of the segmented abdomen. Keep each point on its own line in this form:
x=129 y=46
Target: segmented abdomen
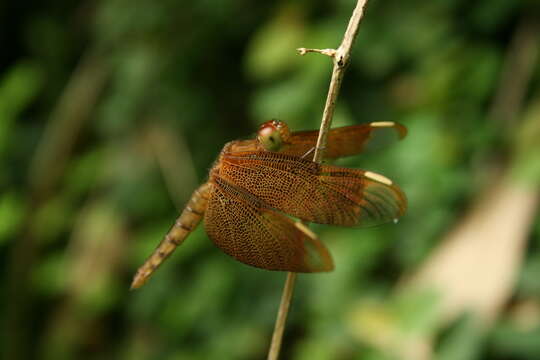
x=185 y=224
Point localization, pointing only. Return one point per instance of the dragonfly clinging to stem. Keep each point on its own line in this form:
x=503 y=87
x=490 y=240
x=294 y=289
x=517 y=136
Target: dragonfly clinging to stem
x=255 y=183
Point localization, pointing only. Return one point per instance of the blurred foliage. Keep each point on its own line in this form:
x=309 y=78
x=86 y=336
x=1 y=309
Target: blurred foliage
x=112 y=111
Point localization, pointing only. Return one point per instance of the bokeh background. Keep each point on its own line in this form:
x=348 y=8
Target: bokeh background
x=112 y=111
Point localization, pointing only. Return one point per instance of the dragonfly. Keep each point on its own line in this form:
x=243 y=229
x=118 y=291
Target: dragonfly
x=257 y=186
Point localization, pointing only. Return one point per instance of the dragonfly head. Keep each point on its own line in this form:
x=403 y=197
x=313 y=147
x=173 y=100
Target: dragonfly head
x=273 y=135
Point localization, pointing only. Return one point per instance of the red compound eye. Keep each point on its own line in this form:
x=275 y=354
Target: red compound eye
x=273 y=134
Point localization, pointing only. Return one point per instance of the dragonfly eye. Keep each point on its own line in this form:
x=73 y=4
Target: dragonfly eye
x=273 y=134
x=270 y=139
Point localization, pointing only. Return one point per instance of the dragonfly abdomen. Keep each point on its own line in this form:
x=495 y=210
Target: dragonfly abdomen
x=187 y=221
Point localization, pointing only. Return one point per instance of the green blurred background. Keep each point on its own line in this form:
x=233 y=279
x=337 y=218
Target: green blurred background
x=111 y=113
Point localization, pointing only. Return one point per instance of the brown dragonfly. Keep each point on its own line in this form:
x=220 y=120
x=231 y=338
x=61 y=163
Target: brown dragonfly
x=255 y=183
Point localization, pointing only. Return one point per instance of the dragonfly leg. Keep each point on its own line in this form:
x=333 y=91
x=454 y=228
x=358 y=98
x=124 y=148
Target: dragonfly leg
x=309 y=152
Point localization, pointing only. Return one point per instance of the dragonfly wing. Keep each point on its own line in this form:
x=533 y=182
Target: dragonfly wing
x=323 y=194
x=247 y=229
x=347 y=140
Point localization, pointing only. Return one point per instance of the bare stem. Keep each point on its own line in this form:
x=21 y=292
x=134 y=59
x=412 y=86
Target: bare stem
x=341 y=58
x=288 y=290
x=327 y=52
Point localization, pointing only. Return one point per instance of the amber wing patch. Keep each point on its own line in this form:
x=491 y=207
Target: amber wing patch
x=247 y=229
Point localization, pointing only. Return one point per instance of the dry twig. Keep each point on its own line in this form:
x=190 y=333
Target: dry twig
x=340 y=57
